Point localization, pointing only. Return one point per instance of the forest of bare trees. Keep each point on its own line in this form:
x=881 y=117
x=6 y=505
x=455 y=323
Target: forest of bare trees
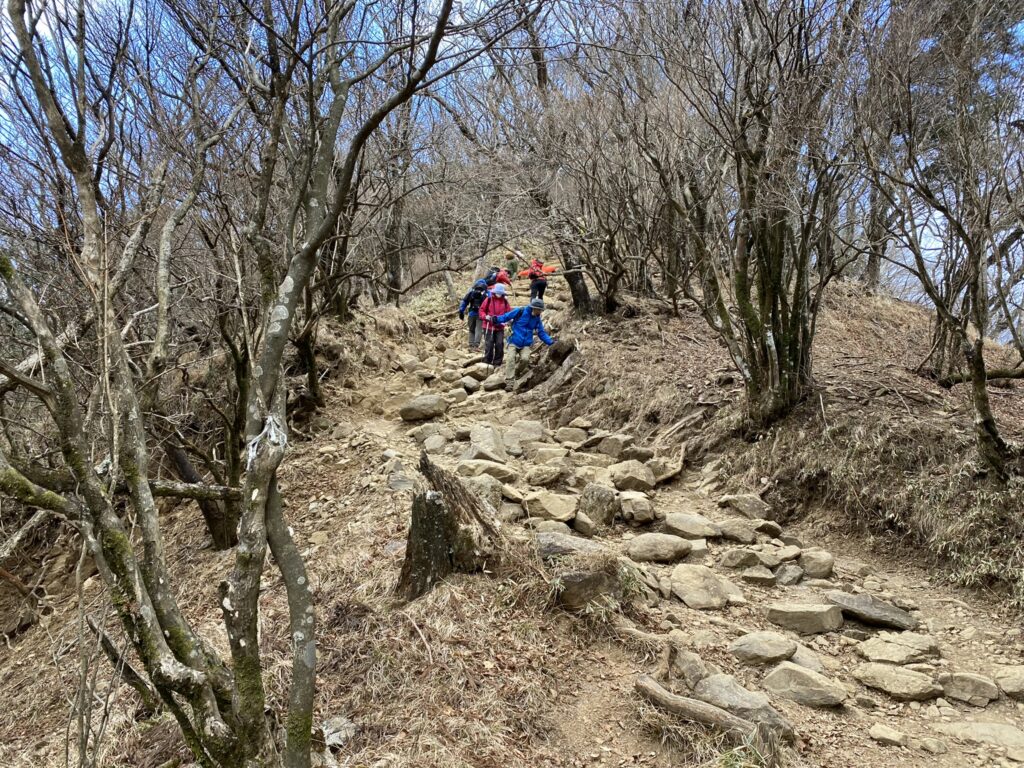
x=189 y=188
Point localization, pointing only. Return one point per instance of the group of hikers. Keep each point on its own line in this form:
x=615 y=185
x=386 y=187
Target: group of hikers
x=487 y=310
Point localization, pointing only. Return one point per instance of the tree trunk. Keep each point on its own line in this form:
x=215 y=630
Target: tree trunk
x=991 y=446
x=428 y=552
x=219 y=521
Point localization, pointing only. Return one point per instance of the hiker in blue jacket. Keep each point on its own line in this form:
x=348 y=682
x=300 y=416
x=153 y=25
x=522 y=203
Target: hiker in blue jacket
x=525 y=321
x=471 y=302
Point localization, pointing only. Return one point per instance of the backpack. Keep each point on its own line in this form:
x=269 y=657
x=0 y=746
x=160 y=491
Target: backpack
x=492 y=276
x=476 y=298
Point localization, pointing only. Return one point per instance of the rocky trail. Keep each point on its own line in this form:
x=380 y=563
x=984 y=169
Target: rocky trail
x=851 y=657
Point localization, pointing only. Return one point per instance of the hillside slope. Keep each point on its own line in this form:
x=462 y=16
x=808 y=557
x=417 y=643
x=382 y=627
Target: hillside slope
x=487 y=670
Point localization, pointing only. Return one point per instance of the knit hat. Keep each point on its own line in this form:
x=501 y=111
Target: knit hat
x=536 y=304
x=499 y=289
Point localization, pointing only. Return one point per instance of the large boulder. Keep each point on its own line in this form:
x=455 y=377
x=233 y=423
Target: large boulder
x=551 y=506
x=976 y=690
x=485 y=442
x=657 y=548
x=691 y=526
x=747 y=504
x=600 y=503
x=804 y=686
x=632 y=476
x=899 y=648
x=428 y=406
x=725 y=692
x=762 y=648
x=701 y=588
x=870 y=610
x=1011 y=681
x=806 y=619
x=900 y=683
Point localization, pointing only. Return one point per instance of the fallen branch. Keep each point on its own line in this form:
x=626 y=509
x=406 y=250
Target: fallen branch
x=994 y=373
x=735 y=728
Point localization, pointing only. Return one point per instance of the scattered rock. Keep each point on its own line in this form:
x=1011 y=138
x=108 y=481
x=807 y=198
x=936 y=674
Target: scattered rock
x=759 y=575
x=737 y=530
x=890 y=737
x=768 y=528
x=805 y=657
x=993 y=734
x=583 y=525
x=657 y=548
x=762 y=648
x=804 y=686
x=976 y=690
x=806 y=619
x=469 y=384
x=636 y=507
x=614 y=445
x=578 y=589
x=485 y=443
x=512 y=493
x=870 y=610
x=434 y=444
x=701 y=588
x=600 y=503
x=691 y=526
x=738 y=558
x=571 y=435
x=817 y=563
x=551 y=506
x=547 y=526
x=749 y=505
x=901 y=684
x=899 y=648
x=551 y=545
x=788 y=574
x=522 y=431
x=493 y=382
x=428 y=406
x=1011 y=681
x=787 y=553
x=632 y=476
x=476 y=467
x=723 y=691
x=544 y=475
x=934 y=746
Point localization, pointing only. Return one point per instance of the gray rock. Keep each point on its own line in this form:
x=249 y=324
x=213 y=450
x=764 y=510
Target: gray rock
x=723 y=691
x=690 y=526
x=870 y=610
x=494 y=381
x=485 y=442
x=698 y=550
x=544 y=475
x=759 y=575
x=976 y=690
x=485 y=487
x=434 y=444
x=547 y=526
x=805 y=657
x=657 y=548
x=934 y=746
x=991 y=734
x=632 y=476
x=570 y=435
x=762 y=648
x=1011 y=681
x=806 y=619
x=428 y=406
x=788 y=574
x=600 y=503
x=583 y=524
x=636 y=507
x=899 y=648
x=804 y=686
x=817 y=563
x=890 y=737
x=787 y=553
x=476 y=467
x=522 y=431
x=511 y=513
x=749 y=505
x=551 y=506
x=737 y=530
x=901 y=684
x=738 y=558
x=701 y=588
x=614 y=445
x=551 y=545
x=578 y=589
x=768 y=528
x=469 y=384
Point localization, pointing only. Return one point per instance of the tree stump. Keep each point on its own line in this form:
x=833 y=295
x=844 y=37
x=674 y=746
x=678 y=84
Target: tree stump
x=451 y=531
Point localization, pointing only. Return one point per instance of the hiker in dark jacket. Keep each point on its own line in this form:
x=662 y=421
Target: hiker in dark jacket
x=525 y=323
x=494 y=332
x=471 y=305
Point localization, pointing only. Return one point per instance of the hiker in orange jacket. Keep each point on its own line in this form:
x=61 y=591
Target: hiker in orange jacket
x=538 y=274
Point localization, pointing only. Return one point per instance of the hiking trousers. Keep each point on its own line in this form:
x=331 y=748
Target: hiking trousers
x=515 y=354
x=476 y=327
x=494 y=347
x=537 y=288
